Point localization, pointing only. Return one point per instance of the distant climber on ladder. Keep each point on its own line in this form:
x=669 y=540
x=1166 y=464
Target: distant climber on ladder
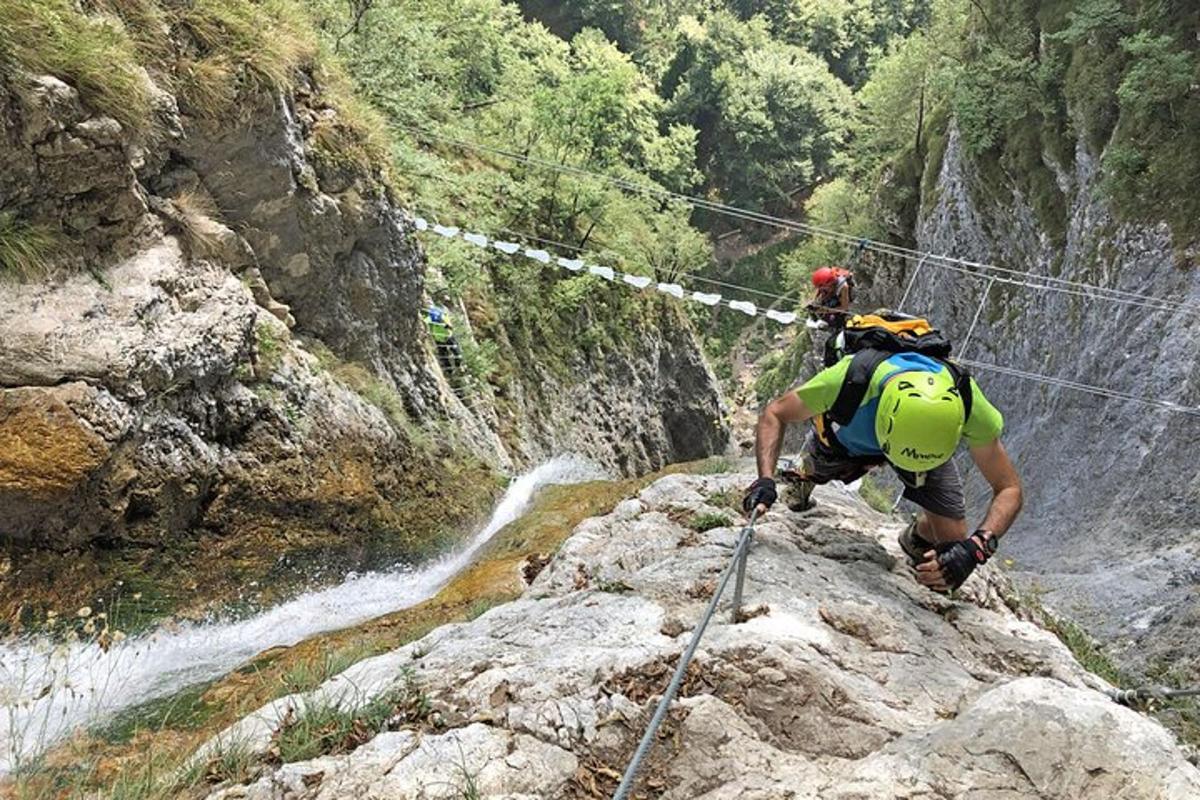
x=897 y=399
x=831 y=305
x=441 y=330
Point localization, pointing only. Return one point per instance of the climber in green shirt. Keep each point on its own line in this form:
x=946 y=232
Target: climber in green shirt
x=912 y=415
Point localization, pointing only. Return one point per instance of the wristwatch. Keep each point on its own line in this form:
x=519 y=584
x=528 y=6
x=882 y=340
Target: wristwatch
x=987 y=541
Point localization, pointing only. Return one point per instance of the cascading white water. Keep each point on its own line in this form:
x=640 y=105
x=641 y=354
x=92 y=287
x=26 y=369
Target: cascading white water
x=48 y=690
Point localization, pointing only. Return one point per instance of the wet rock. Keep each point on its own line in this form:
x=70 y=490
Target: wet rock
x=851 y=687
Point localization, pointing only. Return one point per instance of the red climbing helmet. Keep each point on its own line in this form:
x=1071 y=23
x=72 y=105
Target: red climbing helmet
x=825 y=276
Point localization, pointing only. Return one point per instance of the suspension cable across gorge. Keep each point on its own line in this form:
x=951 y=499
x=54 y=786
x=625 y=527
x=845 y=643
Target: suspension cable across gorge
x=963 y=266
x=782 y=317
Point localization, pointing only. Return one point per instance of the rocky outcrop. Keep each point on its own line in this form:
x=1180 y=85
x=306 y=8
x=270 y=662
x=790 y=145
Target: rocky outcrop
x=63 y=165
x=330 y=243
x=169 y=401
x=1113 y=503
x=233 y=342
x=154 y=390
x=631 y=408
x=847 y=680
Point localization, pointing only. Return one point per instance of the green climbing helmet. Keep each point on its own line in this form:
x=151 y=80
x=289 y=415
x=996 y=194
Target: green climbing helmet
x=920 y=419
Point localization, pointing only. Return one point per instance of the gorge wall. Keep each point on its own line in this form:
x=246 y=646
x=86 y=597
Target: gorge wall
x=225 y=353
x=1109 y=527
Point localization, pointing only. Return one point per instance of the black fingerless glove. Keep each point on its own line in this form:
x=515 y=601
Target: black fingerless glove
x=761 y=492
x=959 y=559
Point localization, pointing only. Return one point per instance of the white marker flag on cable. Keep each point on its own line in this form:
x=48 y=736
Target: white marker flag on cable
x=744 y=306
x=608 y=273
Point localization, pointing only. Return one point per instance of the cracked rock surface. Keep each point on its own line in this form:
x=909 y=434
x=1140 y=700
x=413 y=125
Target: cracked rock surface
x=848 y=681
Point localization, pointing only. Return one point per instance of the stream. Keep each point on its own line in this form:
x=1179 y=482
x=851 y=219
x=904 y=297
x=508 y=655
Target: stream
x=50 y=689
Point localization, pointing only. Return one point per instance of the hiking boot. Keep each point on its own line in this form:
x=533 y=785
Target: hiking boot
x=797 y=494
x=913 y=544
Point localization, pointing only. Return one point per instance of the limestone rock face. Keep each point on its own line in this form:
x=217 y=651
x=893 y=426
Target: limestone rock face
x=137 y=414
x=848 y=680
x=63 y=165
x=234 y=342
x=1113 y=496
x=632 y=410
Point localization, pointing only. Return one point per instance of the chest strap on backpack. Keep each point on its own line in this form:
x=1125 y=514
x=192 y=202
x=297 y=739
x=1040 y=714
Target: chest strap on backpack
x=858 y=380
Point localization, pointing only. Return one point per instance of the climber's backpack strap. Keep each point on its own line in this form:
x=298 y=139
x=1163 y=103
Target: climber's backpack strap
x=858 y=380
x=873 y=339
x=854 y=387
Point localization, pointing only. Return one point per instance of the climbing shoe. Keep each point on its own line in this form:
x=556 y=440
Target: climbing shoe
x=797 y=495
x=913 y=544
x=797 y=492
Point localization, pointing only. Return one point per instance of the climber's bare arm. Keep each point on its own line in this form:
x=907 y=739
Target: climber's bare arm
x=844 y=298
x=1007 y=498
x=768 y=435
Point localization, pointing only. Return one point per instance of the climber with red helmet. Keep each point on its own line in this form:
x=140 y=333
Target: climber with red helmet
x=835 y=290
x=831 y=305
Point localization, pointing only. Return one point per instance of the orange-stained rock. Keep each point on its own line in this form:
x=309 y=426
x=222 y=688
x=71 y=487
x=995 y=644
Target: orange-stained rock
x=46 y=448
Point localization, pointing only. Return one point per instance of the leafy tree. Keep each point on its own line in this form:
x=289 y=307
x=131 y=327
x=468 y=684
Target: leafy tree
x=1158 y=75
x=840 y=205
x=848 y=34
x=771 y=117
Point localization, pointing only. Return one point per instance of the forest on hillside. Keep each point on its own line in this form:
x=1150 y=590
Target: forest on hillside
x=523 y=120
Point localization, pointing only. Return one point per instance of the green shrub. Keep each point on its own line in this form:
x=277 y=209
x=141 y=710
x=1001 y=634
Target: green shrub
x=707 y=520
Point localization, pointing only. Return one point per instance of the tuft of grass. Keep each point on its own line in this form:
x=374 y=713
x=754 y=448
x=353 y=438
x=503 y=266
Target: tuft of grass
x=25 y=249
x=267 y=41
x=329 y=729
x=1085 y=649
x=161 y=777
x=707 y=520
x=196 y=215
x=713 y=465
x=207 y=87
x=145 y=22
x=270 y=348
x=725 y=499
x=307 y=674
x=93 y=53
x=482 y=606
x=357 y=135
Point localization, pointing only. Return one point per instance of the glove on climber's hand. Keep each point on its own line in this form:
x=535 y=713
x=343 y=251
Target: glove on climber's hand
x=959 y=559
x=761 y=492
